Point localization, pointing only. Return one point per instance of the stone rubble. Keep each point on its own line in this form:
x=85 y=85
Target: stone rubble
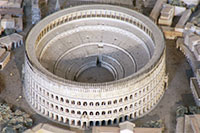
x=154 y=124
x=191 y=110
x=13 y=121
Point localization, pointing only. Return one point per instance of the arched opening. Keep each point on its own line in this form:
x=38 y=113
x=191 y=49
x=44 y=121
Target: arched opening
x=57 y=117
x=109 y=102
x=56 y=97
x=120 y=119
x=126 y=118
x=51 y=105
x=91 y=113
x=78 y=112
x=73 y=122
x=67 y=101
x=135 y=94
x=91 y=104
x=73 y=112
x=84 y=113
x=103 y=103
x=85 y=104
x=144 y=110
x=67 y=121
x=126 y=98
x=131 y=116
x=103 y=113
x=109 y=122
x=61 y=109
x=165 y=85
x=78 y=103
x=84 y=124
x=97 y=104
x=61 y=99
x=109 y=112
x=43 y=111
x=115 y=121
x=91 y=123
x=97 y=123
x=97 y=113
x=62 y=119
x=135 y=114
x=115 y=111
x=120 y=100
x=148 y=107
x=103 y=123
x=79 y=123
x=140 y=112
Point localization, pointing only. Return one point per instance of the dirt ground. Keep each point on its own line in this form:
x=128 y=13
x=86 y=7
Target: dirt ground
x=178 y=92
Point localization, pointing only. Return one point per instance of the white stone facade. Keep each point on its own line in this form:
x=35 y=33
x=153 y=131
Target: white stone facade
x=83 y=105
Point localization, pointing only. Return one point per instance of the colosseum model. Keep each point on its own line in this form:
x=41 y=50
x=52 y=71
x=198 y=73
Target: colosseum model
x=94 y=65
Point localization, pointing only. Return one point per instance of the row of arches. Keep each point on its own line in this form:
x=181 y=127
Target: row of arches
x=83 y=124
x=148 y=106
x=62 y=100
x=61 y=109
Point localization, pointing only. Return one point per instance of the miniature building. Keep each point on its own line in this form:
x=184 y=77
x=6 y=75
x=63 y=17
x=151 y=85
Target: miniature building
x=192 y=28
x=179 y=10
x=170 y=33
x=4 y=58
x=8 y=23
x=11 y=41
x=167 y=14
x=191 y=40
x=182 y=21
x=156 y=10
x=47 y=128
x=188 y=124
x=12 y=13
x=58 y=74
x=10 y=3
x=188 y=54
x=11 y=7
x=126 y=127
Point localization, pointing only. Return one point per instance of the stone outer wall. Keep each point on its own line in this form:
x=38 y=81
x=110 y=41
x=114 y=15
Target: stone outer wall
x=86 y=105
